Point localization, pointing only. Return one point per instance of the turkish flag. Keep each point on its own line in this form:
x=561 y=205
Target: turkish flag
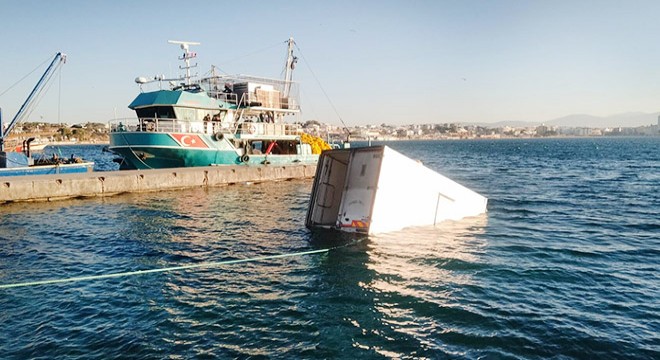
x=188 y=140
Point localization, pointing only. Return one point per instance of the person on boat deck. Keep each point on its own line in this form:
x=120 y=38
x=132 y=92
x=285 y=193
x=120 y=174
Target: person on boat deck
x=266 y=117
x=148 y=125
x=227 y=89
x=207 y=117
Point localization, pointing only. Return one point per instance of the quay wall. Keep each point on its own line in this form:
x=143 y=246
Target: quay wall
x=108 y=183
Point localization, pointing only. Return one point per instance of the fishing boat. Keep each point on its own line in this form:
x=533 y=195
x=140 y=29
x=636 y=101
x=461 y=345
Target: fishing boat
x=215 y=120
x=35 y=145
x=18 y=160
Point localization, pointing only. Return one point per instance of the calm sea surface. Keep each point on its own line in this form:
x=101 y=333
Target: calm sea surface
x=566 y=264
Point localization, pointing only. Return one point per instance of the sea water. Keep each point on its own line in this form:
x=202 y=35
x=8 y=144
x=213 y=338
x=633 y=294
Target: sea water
x=565 y=264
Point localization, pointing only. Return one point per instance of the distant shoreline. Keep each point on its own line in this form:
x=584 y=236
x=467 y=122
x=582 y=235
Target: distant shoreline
x=511 y=138
x=72 y=143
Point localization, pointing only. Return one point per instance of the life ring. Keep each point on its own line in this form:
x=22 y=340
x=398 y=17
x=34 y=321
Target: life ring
x=245 y=158
x=218 y=136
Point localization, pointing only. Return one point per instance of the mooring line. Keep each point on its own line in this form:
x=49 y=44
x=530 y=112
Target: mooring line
x=173 y=268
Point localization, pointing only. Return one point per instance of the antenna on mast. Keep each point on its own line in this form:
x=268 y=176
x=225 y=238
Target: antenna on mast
x=187 y=55
x=290 y=65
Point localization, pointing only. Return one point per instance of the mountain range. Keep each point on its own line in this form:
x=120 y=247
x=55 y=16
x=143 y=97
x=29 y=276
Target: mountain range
x=630 y=119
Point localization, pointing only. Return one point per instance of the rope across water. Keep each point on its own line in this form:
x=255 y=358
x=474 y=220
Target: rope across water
x=169 y=269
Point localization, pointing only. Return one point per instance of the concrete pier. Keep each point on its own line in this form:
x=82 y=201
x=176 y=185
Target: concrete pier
x=108 y=183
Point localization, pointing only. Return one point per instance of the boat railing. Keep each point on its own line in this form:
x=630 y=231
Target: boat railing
x=268 y=129
x=261 y=98
x=292 y=129
x=166 y=125
x=269 y=100
x=253 y=91
x=229 y=98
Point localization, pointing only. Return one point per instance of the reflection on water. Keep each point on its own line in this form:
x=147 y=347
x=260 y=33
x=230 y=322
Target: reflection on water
x=392 y=293
x=434 y=254
x=418 y=270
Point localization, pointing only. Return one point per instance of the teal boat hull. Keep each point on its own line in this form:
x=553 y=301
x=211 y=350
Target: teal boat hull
x=158 y=150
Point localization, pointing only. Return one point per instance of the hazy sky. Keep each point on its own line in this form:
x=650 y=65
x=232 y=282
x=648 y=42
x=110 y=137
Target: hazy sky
x=395 y=62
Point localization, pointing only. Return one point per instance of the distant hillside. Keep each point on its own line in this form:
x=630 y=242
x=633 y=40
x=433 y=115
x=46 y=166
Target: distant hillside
x=514 y=124
x=631 y=119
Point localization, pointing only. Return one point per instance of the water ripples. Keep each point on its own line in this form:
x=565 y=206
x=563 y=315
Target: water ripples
x=563 y=265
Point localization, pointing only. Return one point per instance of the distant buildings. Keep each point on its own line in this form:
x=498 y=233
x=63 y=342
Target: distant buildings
x=462 y=131
x=98 y=131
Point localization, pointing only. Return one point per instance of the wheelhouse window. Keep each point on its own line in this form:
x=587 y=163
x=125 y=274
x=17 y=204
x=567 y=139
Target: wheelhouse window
x=160 y=112
x=186 y=114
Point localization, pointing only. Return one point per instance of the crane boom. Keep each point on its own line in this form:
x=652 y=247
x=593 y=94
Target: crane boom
x=57 y=61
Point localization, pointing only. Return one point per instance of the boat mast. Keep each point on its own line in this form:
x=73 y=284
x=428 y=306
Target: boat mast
x=290 y=65
x=58 y=60
x=187 y=55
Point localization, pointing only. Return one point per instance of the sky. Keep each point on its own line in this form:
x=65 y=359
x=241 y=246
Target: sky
x=361 y=62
